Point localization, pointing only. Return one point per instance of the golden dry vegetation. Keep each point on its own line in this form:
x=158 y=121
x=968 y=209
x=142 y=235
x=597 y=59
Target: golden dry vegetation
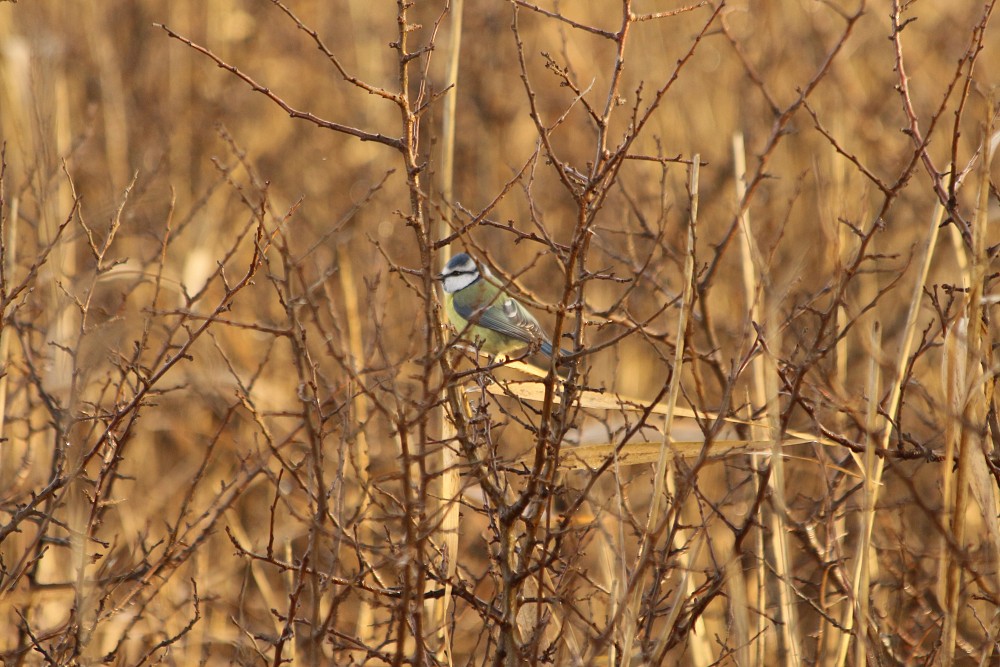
x=236 y=429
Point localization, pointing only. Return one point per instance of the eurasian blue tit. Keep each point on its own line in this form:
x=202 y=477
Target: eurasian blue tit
x=500 y=324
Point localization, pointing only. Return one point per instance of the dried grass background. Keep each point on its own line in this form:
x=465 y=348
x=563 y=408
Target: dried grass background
x=236 y=430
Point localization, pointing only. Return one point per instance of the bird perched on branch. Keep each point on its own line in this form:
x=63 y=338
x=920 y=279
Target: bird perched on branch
x=499 y=324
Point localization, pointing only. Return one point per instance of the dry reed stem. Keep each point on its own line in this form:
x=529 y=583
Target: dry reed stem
x=593 y=456
x=750 y=266
x=760 y=579
x=954 y=389
x=974 y=400
x=702 y=654
x=528 y=390
x=788 y=595
x=862 y=585
x=831 y=633
x=892 y=405
x=739 y=608
x=450 y=480
x=762 y=312
x=349 y=292
x=8 y=460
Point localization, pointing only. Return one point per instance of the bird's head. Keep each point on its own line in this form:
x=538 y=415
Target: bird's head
x=460 y=272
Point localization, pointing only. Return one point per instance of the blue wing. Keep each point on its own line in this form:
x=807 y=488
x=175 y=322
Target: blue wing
x=508 y=317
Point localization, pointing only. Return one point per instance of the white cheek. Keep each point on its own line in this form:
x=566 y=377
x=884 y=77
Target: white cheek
x=454 y=283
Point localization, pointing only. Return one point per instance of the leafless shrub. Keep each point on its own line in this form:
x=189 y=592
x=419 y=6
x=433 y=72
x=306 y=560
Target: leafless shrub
x=237 y=427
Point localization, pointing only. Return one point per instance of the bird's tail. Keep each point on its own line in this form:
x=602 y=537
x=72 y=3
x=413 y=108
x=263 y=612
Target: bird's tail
x=546 y=348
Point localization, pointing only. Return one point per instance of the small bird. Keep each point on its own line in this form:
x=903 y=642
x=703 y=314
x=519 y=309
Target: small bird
x=500 y=324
